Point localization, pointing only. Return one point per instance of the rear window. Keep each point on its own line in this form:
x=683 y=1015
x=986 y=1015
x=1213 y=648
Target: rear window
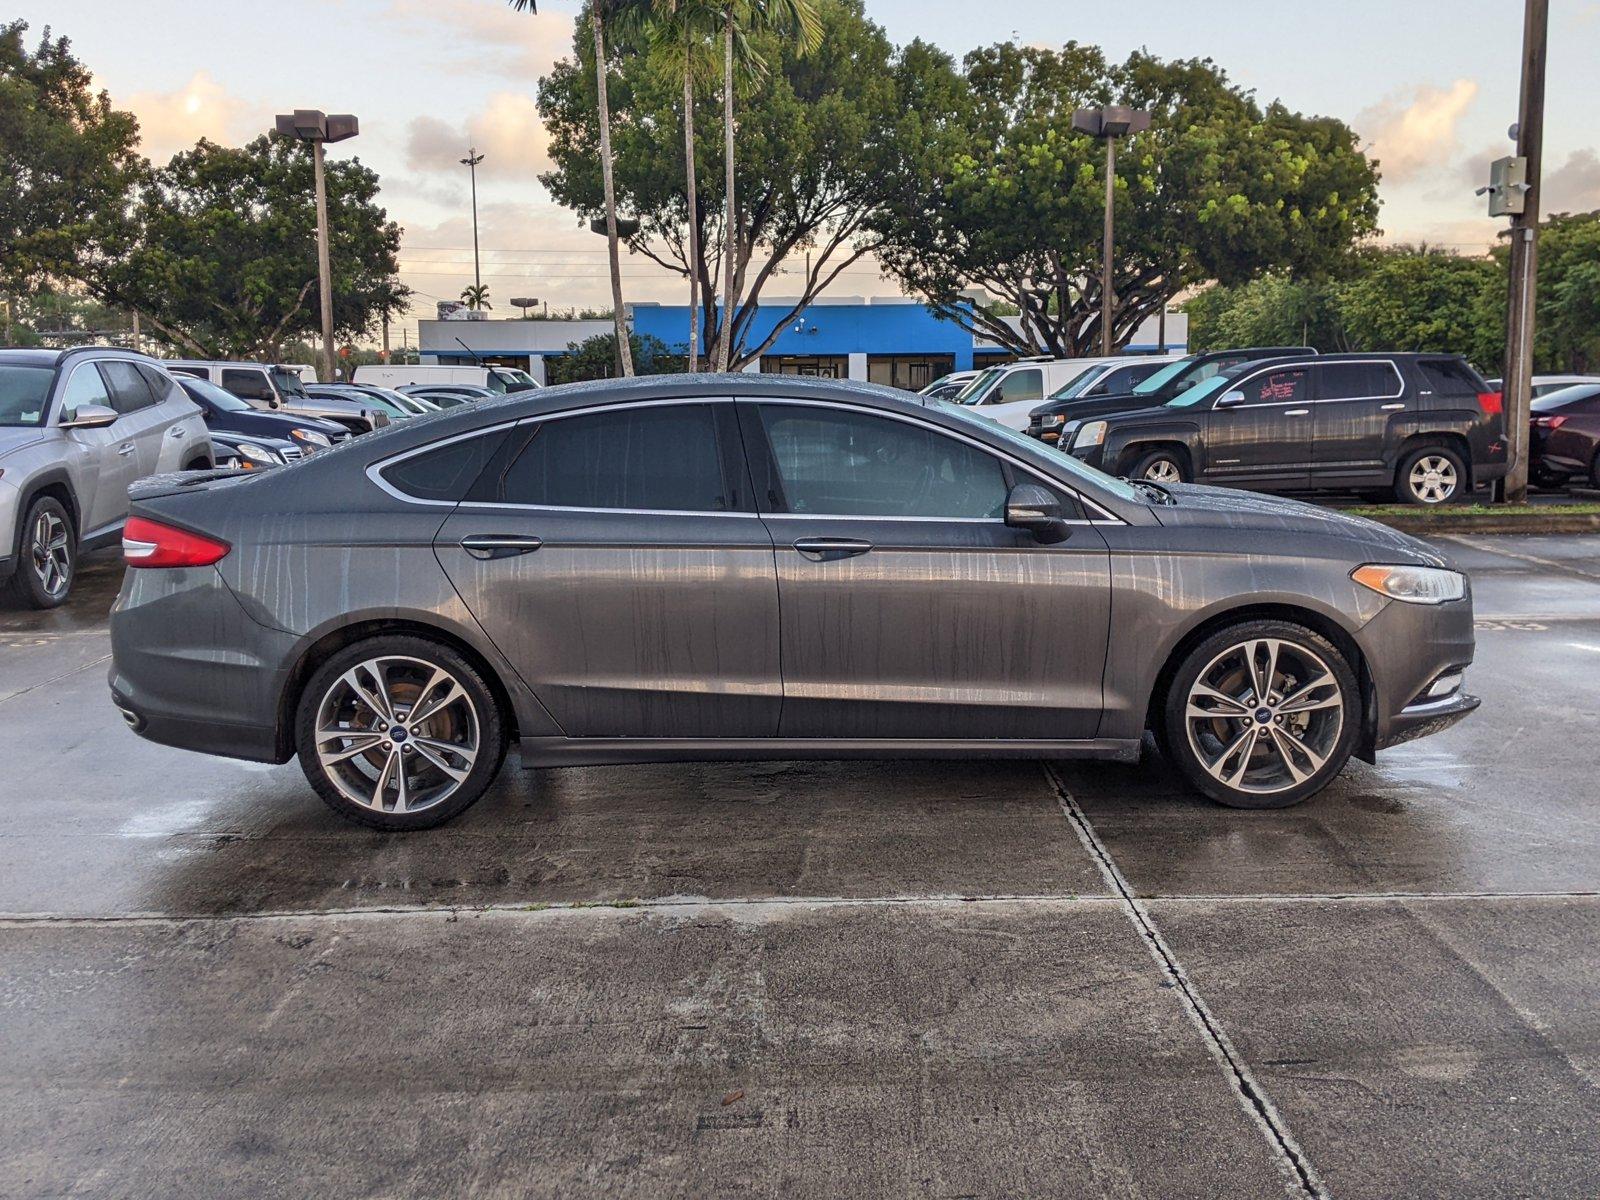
x=1450 y=376
x=447 y=472
x=1582 y=398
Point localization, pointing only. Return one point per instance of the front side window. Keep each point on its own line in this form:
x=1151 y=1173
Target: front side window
x=87 y=386
x=1275 y=387
x=23 y=393
x=129 y=391
x=1020 y=385
x=659 y=457
x=836 y=462
x=252 y=385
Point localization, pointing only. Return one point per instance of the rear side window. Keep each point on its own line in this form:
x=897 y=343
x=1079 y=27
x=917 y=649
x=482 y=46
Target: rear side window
x=1356 y=381
x=1450 y=376
x=661 y=457
x=447 y=472
x=129 y=391
x=193 y=372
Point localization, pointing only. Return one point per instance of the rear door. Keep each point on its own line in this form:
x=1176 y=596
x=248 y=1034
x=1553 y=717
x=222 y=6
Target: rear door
x=910 y=609
x=1355 y=405
x=615 y=558
x=1264 y=439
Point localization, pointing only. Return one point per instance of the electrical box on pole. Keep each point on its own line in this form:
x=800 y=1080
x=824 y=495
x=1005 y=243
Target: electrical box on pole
x=1508 y=186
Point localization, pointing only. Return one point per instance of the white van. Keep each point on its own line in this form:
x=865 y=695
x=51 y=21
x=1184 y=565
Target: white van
x=496 y=379
x=263 y=385
x=1009 y=392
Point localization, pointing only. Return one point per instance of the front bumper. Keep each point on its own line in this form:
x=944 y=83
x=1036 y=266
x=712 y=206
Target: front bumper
x=1407 y=648
x=1420 y=720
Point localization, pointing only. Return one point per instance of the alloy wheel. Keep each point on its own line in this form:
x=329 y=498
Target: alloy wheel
x=397 y=734
x=50 y=553
x=1264 y=715
x=1433 y=479
x=1163 y=470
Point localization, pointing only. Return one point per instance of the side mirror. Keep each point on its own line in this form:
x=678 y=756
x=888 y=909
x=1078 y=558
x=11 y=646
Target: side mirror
x=1036 y=509
x=90 y=416
x=1229 y=400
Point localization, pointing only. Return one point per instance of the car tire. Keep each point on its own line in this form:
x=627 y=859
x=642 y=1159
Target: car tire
x=1594 y=470
x=1161 y=466
x=48 y=559
x=1247 y=754
x=1431 y=471
x=354 y=727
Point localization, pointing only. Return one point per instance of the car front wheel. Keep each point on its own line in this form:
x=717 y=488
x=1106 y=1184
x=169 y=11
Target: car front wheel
x=1160 y=466
x=399 y=733
x=49 y=555
x=1262 y=715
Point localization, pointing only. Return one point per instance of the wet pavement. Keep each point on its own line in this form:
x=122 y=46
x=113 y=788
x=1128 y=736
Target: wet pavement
x=931 y=979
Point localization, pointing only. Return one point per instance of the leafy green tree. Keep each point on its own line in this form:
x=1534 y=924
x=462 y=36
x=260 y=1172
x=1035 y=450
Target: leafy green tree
x=219 y=255
x=596 y=358
x=1567 y=321
x=1001 y=194
x=816 y=134
x=1404 y=300
x=1274 y=310
x=68 y=160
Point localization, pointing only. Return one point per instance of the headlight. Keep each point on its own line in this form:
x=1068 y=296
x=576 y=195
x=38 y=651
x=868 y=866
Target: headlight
x=310 y=437
x=1091 y=434
x=1051 y=420
x=248 y=454
x=1415 y=585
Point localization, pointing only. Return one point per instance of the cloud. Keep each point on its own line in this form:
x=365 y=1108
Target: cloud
x=508 y=133
x=1413 y=133
x=202 y=108
x=486 y=37
x=1574 y=186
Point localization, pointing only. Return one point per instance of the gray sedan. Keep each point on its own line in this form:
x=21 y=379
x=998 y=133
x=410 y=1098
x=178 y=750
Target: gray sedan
x=738 y=567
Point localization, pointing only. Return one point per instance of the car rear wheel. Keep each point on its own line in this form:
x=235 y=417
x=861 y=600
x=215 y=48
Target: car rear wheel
x=1262 y=715
x=1160 y=466
x=399 y=733
x=49 y=558
x=1594 y=470
x=1431 y=475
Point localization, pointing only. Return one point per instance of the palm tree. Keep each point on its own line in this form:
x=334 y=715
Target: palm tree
x=599 y=11
x=796 y=19
x=476 y=295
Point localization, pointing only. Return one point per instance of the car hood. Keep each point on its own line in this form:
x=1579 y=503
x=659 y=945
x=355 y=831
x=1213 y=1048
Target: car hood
x=1082 y=407
x=19 y=437
x=1229 y=508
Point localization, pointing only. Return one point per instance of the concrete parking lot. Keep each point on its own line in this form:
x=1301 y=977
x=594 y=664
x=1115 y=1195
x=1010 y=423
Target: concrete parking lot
x=927 y=979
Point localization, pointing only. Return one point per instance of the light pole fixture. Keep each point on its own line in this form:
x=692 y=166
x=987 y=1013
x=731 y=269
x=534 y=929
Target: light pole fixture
x=626 y=226
x=318 y=128
x=1108 y=124
x=470 y=162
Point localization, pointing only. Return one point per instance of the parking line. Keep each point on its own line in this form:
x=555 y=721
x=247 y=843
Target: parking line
x=1300 y=1176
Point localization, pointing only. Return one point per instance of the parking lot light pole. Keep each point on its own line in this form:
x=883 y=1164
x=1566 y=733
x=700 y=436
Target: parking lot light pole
x=1108 y=124
x=318 y=128
x=470 y=162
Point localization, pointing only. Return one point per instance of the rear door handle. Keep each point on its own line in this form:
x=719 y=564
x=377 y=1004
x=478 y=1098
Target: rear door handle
x=826 y=549
x=125 y=449
x=1297 y=412
x=175 y=431
x=1393 y=407
x=499 y=545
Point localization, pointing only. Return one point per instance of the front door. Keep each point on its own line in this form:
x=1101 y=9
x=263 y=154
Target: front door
x=617 y=561
x=910 y=609
x=106 y=458
x=1264 y=440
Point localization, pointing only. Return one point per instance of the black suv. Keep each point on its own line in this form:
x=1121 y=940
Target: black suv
x=1054 y=419
x=1424 y=425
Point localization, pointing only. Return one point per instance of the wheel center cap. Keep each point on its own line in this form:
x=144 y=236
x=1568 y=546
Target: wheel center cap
x=397 y=733
x=1263 y=716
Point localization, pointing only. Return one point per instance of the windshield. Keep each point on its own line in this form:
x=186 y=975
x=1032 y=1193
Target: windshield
x=23 y=392
x=1065 y=463
x=288 y=382
x=222 y=399
x=1160 y=379
x=980 y=384
x=1079 y=384
x=1189 y=397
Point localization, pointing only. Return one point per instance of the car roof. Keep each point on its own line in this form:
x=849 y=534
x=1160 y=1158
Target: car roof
x=34 y=356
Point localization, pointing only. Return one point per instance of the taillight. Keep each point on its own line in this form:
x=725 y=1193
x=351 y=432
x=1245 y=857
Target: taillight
x=1491 y=403
x=1549 y=422
x=147 y=543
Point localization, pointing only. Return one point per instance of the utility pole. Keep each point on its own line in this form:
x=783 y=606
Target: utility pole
x=385 y=355
x=318 y=128
x=471 y=162
x=138 y=341
x=1523 y=287
x=1108 y=124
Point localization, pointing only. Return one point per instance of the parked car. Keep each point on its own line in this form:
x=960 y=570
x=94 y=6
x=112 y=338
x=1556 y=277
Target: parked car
x=448 y=396
x=368 y=398
x=1543 y=385
x=495 y=378
x=264 y=385
x=250 y=452
x=225 y=413
x=76 y=428
x=588 y=571
x=1007 y=393
x=397 y=401
x=1425 y=427
x=1059 y=417
x=947 y=387
x=1564 y=443
x=358 y=414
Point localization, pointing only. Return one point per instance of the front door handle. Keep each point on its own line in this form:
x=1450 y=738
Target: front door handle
x=499 y=545
x=1393 y=407
x=1297 y=412
x=826 y=549
x=125 y=449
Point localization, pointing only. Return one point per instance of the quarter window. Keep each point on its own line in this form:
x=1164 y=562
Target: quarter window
x=445 y=473
x=836 y=462
x=1450 y=376
x=659 y=457
x=162 y=386
x=129 y=391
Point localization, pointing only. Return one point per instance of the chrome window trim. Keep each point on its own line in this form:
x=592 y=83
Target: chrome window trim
x=1295 y=366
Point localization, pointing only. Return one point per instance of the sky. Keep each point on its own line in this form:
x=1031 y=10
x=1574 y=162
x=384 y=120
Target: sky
x=1429 y=85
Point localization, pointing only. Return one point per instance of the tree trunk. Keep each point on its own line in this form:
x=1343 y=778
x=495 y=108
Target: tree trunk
x=731 y=219
x=694 y=206
x=624 y=350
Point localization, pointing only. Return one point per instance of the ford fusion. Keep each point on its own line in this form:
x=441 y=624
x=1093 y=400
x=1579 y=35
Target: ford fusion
x=737 y=567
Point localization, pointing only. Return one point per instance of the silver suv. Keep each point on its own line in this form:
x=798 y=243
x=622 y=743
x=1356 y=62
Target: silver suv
x=76 y=428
